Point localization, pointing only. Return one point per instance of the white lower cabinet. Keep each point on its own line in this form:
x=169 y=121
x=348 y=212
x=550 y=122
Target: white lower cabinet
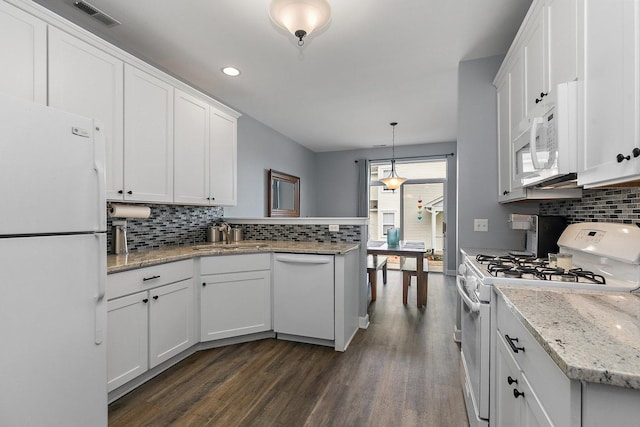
x=235 y=295
x=147 y=327
x=517 y=404
x=171 y=323
x=303 y=295
x=528 y=387
x=127 y=349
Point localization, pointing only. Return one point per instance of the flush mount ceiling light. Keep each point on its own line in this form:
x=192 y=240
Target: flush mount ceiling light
x=393 y=181
x=231 y=71
x=300 y=17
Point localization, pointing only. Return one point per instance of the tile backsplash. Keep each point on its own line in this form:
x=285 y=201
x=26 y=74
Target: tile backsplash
x=301 y=233
x=168 y=225
x=599 y=205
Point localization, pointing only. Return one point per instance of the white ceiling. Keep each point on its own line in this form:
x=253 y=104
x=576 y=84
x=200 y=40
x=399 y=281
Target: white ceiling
x=377 y=61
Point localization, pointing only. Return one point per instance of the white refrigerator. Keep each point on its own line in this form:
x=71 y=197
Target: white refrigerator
x=53 y=364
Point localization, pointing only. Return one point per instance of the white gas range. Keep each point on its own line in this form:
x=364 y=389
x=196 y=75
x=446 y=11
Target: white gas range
x=606 y=257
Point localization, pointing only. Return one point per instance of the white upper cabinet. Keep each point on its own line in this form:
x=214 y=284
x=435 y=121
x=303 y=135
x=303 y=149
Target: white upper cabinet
x=205 y=153
x=536 y=71
x=191 y=162
x=223 y=181
x=148 y=137
x=23 y=45
x=85 y=80
x=562 y=32
x=610 y=113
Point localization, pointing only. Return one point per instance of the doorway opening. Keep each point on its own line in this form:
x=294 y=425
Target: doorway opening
x=417 y=208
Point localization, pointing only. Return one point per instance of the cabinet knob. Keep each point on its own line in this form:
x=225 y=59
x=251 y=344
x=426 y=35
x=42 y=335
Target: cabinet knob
x=505 y=192
x=511 y=380
x=120 y=191
x=129 y=192
x=636 y=152
x=204 y=283
x=155 y=297
x=542 y=95
x=538 y=100
x=146 y=300
x=620 y=158
x=517 y=393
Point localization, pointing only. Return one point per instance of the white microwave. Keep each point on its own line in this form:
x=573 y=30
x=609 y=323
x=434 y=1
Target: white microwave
x=546 y=149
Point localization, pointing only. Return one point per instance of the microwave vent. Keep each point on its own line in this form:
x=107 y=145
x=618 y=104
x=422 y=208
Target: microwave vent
x=96 y=13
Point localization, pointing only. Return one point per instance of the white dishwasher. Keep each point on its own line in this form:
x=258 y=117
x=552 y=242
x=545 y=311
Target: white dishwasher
x=303 y=295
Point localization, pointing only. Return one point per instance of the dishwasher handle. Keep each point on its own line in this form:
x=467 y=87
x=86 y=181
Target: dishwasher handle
x=293 y=259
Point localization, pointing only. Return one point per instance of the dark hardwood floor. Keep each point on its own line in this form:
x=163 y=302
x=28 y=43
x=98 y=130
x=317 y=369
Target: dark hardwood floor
x=401 y=371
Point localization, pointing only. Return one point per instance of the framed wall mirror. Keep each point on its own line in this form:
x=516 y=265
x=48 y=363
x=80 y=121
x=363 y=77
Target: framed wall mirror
x=284 y=194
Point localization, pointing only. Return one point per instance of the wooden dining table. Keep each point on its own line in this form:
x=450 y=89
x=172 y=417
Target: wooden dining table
x=411 y=249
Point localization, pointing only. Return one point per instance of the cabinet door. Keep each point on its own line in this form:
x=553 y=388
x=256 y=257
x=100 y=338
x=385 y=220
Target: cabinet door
x=610 y=100
x=171 y=321
x=534 y=51
x=504 y=139
x=223 y=159
x=23 y=45
x=127 y=327
x=507 y=379
x=562 y=30
x=87 y=81
x=235 y=304
x=516 y=94
x=191 y=162
x=148 y=137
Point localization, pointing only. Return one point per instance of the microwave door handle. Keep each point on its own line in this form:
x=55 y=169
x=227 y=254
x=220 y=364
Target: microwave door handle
x=533 y=135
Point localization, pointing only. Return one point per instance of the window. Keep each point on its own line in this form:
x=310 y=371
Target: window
x=388 y=219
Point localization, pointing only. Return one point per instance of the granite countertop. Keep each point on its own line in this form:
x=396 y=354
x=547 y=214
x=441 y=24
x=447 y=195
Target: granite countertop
x=133 y=260
x=592 y=336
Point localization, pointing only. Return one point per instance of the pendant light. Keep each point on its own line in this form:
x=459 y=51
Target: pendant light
x=393 y=181
x=300 y=17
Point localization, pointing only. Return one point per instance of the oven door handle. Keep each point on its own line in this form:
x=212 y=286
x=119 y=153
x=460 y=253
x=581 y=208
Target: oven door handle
x=473 y=305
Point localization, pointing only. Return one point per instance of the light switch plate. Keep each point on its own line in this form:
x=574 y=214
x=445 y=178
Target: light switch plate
x=334 y=227
x=480 y=225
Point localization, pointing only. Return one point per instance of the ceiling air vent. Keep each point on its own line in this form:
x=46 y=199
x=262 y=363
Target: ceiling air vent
x=96 y=13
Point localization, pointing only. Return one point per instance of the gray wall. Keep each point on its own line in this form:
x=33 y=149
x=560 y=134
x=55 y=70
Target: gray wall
x=478 y=160
x=261 y=148
x=337 y=183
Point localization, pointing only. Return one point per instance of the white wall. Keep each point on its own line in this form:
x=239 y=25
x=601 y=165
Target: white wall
x=478 y=161
x=261 y=148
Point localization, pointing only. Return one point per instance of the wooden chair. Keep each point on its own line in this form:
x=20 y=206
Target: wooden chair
x=408 y=268
x=373 y=265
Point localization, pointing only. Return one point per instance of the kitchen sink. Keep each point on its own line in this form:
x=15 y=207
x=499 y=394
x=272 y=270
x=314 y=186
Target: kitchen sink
x=230 y=247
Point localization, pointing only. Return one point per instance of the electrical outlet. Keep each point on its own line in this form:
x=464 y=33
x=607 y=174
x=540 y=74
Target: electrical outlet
x=480 y=225
x=334 y=227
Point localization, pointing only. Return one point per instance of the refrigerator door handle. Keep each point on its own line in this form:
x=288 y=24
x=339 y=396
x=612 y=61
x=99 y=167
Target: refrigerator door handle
x=102 y=291
x=99 y=166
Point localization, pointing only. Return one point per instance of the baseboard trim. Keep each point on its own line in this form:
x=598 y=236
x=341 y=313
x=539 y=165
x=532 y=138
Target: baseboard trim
x=363 y=322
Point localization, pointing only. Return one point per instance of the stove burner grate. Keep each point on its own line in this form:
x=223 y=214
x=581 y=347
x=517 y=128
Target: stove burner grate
x=517 y=266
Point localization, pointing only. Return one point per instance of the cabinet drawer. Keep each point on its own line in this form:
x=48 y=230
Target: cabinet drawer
x=551 y=385
x=128 y=282
x=234 y=263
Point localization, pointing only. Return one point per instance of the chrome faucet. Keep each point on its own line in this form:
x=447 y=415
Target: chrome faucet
x=226 y=231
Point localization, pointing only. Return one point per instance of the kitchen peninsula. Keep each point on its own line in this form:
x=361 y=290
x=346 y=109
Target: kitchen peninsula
x=165 y=304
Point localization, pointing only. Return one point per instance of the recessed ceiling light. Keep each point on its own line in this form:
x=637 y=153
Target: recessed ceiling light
x=231 y=71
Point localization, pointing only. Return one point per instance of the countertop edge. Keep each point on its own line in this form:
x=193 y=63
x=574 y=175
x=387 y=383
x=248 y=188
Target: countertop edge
x=573 y=370
x=276 y=247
